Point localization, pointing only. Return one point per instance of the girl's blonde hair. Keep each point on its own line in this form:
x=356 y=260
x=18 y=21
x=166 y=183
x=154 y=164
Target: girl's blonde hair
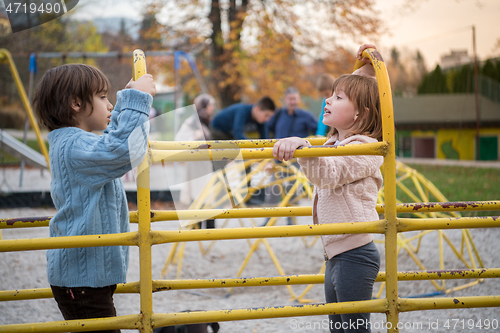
x=363 y=93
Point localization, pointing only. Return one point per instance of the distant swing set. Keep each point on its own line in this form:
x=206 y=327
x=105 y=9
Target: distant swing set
x=427 y=217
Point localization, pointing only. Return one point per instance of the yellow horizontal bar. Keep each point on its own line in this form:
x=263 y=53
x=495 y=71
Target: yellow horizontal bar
x=378 y=148
x=377 y=305
x=170 y=236
x=33 y=222
x=161 y=285
x=408 y=224
x=169 y=215
x=25 y=294
x=417 y=304
x=121 y=322
x=479 y=273
x=10 y=245
x=181 y=145
x=25 y=222
x=457 y=206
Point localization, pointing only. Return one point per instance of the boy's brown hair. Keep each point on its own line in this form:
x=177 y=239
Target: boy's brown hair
x=266 y=104
x=325 y=82
x=62 y=85
x=363 y=93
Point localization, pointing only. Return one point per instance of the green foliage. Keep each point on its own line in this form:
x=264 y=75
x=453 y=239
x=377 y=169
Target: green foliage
x=489 y=69
x=458 y=80
x=434 y=83
x=463 y=79
x=84 y=37
x=463 y=184
x=7 y=159
x=59 y=35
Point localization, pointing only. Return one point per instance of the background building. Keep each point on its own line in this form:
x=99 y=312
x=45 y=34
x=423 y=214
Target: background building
x=444 y=126
x=455 y=58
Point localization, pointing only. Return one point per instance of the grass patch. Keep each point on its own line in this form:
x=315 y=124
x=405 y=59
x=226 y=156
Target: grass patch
x=463 y=184
x=8 y=159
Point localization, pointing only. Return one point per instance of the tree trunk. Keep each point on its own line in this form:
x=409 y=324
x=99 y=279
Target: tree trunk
x=225 y=73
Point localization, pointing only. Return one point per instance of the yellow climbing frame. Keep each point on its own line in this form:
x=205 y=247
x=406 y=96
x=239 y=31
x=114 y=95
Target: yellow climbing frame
x=144 y=238
x=275 y=175
x=5 y=57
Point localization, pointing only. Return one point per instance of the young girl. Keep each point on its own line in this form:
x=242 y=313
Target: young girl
x=346 y=190
x=71 y=101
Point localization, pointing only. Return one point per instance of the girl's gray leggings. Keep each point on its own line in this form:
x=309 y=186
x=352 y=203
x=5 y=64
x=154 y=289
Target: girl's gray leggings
x=349 y=276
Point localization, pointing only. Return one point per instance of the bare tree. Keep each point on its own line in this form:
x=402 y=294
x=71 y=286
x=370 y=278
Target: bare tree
x=234 y=30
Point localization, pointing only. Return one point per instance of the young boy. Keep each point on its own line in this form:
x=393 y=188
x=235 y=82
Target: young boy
x=232 y=122
x=71 y=101
x=324 y=85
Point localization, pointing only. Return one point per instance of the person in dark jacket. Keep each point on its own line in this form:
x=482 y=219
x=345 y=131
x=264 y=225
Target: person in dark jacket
x=234 y=121
x=291 y=120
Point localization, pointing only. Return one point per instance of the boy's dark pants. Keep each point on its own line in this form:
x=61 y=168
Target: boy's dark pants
x=86 y=303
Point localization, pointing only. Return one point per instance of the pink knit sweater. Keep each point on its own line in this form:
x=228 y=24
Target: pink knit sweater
x=345 y=190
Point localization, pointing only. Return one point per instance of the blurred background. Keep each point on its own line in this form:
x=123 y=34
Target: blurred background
x=244 y=49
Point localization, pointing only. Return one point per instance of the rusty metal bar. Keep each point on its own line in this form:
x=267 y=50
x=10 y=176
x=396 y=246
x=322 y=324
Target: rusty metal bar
x=408 y=224
x=378 y=305
x=162 y=285
x=168 y=215
x=417 y=304
x=123 y=322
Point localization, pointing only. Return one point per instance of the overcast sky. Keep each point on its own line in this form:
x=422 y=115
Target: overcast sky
x=437 y=26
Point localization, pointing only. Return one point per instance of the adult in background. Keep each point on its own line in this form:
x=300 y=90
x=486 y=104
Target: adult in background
x=196 y=128
x=234 y=121
x=291 y=120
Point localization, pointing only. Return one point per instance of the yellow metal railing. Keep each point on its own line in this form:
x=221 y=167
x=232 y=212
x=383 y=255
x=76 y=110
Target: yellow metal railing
x=5 y=57
x=145 y=238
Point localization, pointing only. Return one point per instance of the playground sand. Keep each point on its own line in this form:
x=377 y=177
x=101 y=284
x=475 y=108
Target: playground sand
x=26 y=270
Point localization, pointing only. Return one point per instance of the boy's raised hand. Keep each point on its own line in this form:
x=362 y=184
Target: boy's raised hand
x=145 y=84
x=363 y=47
x=367 y=70
x=285 y=148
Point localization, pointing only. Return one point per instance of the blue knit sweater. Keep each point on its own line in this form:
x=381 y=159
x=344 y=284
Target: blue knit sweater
x=88 y=193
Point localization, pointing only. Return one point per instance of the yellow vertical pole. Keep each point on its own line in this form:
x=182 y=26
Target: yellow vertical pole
x=144 y=217
x=6 y=56
x=441 y=256
x=391 y=246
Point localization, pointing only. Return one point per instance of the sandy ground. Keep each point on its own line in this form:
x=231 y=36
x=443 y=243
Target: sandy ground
x=26 y=270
